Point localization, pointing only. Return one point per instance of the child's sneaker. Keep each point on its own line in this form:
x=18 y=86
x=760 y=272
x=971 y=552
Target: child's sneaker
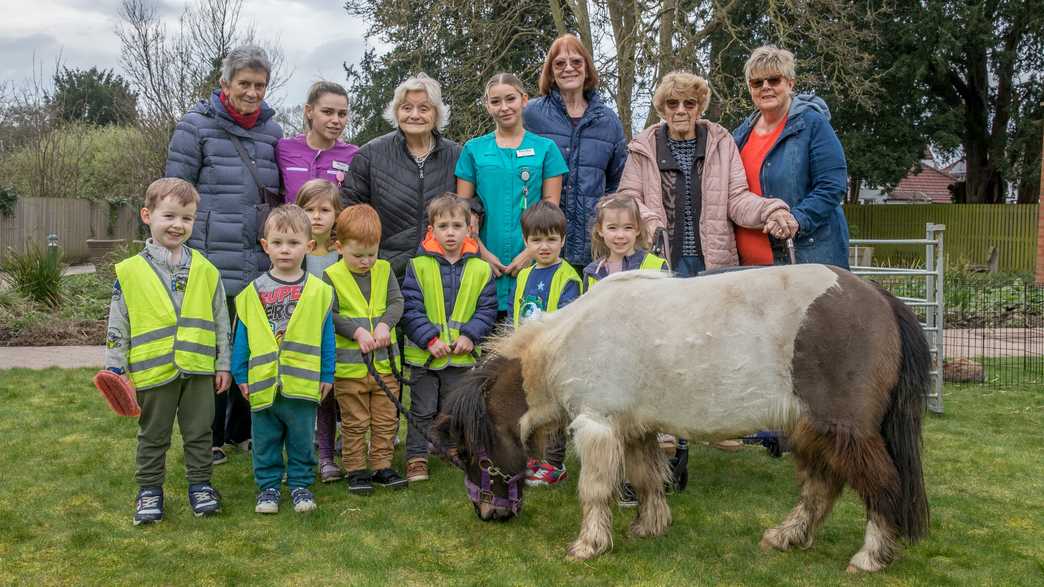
x=532 y=466
x=330 y=472
x=628 y=498
x=149 y=506
x=218 y=455
x=417 y=470
x=204 y=499
x=546 y=474
x=359 y=482
x=268 y=501
x=304 y=500
x=388 y=478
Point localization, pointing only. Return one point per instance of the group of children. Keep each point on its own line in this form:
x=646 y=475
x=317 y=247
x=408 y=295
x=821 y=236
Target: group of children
x=305 y=330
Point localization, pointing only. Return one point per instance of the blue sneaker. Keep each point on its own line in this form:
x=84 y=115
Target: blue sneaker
x=149 y=507
x=304 y=500
x=204 y=499
x=268 y=501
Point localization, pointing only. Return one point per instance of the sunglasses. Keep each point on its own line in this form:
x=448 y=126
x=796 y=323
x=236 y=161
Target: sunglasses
x=560 y=64
x=772 y=81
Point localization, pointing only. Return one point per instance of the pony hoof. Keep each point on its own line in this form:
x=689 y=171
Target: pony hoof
x=639 y=530
x=863 y=563
x=770 y=541
x=580 y=552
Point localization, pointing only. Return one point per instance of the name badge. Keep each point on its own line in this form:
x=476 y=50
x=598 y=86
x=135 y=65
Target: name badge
x=340 y=166
x=525 y=153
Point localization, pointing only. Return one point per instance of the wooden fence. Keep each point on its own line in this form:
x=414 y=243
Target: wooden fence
x=74 y=221
x=971 y=231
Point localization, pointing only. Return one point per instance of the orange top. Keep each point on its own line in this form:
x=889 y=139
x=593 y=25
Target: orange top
x=470 y=245
x=753 y=245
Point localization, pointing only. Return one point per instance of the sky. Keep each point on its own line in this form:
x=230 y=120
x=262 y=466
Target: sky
x=316 y=37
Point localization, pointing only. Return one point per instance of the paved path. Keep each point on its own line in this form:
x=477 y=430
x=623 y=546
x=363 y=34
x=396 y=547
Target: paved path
x=994 y=342
x=43 y=357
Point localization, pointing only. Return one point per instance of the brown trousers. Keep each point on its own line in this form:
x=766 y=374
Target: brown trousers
x=365 y=408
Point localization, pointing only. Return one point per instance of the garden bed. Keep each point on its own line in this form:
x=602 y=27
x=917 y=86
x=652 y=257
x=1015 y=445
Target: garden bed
x=80 y=319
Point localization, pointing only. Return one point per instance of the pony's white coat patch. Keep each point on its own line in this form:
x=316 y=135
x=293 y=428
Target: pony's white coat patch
x=708 y=357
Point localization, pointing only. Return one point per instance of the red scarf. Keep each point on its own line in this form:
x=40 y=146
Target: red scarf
x=244 y=120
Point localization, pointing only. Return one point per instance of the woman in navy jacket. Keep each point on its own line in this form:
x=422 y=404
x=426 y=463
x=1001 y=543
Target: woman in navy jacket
x=570 y=111
x=805 y=166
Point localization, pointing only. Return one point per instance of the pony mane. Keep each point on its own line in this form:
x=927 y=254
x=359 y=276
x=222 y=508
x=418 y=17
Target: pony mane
x=466 y=408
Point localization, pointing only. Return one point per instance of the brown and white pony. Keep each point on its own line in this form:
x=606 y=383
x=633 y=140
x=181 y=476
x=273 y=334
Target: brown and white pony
x=839 y=364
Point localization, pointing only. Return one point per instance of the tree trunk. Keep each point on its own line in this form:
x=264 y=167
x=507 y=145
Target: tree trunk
x=558 y=15
x=583 y=22
x=854 y=183
x=668 y=14
x=624 y=16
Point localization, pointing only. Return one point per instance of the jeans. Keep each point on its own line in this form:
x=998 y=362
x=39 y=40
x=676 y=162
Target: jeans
x=288 y=423
x=690 y=266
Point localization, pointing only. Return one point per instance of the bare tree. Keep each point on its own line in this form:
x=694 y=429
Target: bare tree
x=173 y=67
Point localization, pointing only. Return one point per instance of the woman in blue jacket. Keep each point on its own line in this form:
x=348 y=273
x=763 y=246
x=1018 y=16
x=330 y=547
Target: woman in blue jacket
x=589 y=135
x=805 y=166
x=235 y=191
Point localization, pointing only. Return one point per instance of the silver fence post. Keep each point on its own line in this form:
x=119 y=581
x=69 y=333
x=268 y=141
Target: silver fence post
x=935 y=263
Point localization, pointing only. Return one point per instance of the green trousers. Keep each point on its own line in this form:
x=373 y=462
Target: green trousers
x=191 y=399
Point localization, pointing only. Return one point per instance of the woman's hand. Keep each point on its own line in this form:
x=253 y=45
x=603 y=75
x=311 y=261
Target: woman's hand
x=489 y=257
x=520 y=262
x=781 y=224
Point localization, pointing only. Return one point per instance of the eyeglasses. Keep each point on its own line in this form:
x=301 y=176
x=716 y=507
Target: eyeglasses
x=689 y=104
x=560 y=64
x=755 y=82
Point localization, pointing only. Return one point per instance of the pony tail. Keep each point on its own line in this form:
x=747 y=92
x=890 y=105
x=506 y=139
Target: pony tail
x=901 y=427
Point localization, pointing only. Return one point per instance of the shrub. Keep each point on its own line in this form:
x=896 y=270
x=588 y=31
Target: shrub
x=36 y=274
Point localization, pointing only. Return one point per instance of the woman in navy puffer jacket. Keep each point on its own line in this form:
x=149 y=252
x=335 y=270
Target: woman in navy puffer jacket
x=202 y=153
x=588 y=134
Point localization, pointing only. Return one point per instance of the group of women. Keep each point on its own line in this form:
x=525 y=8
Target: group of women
x=721 y=199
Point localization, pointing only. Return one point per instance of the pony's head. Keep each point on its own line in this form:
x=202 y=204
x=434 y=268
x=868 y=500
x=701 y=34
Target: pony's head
x=482 y=419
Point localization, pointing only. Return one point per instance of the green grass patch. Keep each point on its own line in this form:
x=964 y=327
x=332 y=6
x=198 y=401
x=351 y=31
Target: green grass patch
x=68 y=475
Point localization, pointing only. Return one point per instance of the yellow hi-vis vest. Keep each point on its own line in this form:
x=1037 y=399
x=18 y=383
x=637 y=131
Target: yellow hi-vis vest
x=563 y=275
x=292 y=366
x=476 y=276
x=164 y=341
x=354 y=306
x=650 y=261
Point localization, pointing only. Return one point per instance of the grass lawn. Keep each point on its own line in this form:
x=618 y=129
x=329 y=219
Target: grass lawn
x=65 y=513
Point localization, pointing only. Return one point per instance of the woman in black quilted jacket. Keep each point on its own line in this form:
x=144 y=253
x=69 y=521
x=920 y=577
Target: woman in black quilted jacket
x=400 y=172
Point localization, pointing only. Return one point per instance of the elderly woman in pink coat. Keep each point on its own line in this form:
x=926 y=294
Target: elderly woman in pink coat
x=688 y=177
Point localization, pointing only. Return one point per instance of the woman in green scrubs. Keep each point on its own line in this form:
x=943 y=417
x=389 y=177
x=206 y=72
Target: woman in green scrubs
x=509 y=169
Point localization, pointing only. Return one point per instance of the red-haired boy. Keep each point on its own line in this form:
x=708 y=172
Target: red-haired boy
x=368 y=305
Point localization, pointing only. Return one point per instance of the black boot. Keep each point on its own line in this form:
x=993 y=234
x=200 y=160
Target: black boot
x=680 y=466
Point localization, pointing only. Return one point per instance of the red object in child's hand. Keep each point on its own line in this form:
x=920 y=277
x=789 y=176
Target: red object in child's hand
x=115 y=390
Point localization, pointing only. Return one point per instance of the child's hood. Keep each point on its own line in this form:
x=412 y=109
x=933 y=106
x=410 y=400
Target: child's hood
x=430 y=246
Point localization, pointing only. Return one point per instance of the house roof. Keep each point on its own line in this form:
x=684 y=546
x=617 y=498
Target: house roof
x=929 y=185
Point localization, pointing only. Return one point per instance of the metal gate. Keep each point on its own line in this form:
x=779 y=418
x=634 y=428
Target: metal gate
x=927 y=302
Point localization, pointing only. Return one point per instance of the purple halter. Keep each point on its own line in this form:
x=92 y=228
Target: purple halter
x=484 y=493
